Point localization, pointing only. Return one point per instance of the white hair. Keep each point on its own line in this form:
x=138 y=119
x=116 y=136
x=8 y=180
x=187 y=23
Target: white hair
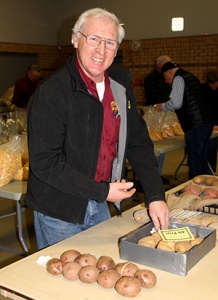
x=99 y=13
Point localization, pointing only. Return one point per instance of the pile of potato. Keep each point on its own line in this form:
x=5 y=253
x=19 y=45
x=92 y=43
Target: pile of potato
x=126 y=278
x=155 y=241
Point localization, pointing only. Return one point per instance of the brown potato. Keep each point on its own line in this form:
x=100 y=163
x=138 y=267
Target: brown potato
x=105 y=263
x=196 y=241
x=126 y=268
x=166 y=245
x=199 y=179
x=54 y=266
x=147 y=278
x=182 y=247
x=157 y=237
x=209 y=180
x=69 y=255
x=86 y=260
x=147 y=241
x=128 y=286
x=108 y=278
x=88 y=274
x=71 y=270
x=141 y=215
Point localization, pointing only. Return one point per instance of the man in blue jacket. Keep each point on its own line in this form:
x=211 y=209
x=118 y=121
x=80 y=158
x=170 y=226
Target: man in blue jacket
x=83 y=123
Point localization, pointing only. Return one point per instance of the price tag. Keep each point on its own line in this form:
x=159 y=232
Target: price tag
x=176 y=234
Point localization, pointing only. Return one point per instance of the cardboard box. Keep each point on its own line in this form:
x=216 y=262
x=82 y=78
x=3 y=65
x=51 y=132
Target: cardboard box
x=175 y=263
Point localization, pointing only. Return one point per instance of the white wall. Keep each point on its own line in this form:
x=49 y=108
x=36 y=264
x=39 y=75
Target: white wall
x=145 y=18
x=49 y=22
x=28 y=21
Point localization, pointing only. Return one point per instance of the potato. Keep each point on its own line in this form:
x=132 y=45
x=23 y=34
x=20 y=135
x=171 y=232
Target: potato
x=147 y=278
x=105 y=263
x=166 y=245
x=88 y=274
x=128 y=286
x=157 y=237
x=209 y=180
x=141 y=215
x=54 y=266
x=126 y=268
x=108 y=278
x=182 y=247
x=193 y=189
x=148 y=241
x=86 y=259
x=196 y=241
x=71 y=270
x=215 y=183
x=199 y=179
x=69 y=255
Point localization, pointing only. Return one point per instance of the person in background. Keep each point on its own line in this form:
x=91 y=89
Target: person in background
x=83 y=123
x=186 y=99
x=26 y=86
x=155 y=87
x=156 y=91
x=210 y=90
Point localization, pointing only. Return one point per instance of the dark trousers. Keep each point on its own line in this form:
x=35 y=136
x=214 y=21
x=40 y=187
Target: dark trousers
x=212 y=153
x=197 y=141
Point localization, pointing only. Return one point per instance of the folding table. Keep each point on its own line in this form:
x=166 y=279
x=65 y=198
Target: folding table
x=14 y=191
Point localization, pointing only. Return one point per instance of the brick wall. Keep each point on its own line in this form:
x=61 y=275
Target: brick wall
x=196 y=54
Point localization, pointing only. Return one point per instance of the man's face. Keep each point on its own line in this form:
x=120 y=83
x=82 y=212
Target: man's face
x=95 y=60
x=33 y=75
x=214 y=86
x=168 y=76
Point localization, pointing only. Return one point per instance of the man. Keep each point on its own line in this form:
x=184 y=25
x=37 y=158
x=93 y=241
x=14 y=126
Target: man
x=210 y=90
x=156 y=91
x=83 y=123
x=186 y=99
x=26 y=86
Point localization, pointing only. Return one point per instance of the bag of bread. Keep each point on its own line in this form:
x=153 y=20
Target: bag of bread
x=10 y=160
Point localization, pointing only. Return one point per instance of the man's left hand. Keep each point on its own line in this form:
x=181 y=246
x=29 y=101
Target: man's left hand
x=159 y=213
x=158 y=106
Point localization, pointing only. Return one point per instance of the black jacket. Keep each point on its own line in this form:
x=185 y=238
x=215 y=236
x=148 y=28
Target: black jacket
x=64 y=135
x=194 y=110
x=156 y=89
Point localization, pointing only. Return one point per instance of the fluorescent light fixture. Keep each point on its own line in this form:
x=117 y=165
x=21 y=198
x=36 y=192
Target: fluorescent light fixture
x=177 y=24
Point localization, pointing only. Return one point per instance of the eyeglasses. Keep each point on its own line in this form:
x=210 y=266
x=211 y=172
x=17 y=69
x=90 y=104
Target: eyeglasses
x=95 y=41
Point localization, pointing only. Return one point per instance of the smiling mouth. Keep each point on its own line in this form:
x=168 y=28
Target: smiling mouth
x=97 y=59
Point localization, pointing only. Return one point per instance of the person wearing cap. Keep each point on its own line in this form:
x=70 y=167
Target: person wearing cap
x=210 y=90
x=186 y=99
x=26 y=86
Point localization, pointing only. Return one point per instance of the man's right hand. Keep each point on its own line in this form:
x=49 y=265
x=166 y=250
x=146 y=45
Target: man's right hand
x=120 y=190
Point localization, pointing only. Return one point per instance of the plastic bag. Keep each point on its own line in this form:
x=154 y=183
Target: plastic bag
x=10 y=160
x=162 y=124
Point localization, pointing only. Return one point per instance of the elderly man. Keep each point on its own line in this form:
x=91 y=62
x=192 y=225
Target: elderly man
x=83 y=123
x=186 y=99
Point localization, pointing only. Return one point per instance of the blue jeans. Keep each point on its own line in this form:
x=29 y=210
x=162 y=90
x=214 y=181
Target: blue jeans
x=197 y=140
x=160 y=161
x=50 y=230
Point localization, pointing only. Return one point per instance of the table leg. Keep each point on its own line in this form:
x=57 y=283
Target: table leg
x=20 y=228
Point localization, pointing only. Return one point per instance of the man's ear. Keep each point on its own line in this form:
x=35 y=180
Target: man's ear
x=75 y=41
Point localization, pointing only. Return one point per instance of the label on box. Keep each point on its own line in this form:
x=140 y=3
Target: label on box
x=176 y=234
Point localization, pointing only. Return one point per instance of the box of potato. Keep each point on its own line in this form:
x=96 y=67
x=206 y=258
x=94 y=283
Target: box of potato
x=176 y=251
